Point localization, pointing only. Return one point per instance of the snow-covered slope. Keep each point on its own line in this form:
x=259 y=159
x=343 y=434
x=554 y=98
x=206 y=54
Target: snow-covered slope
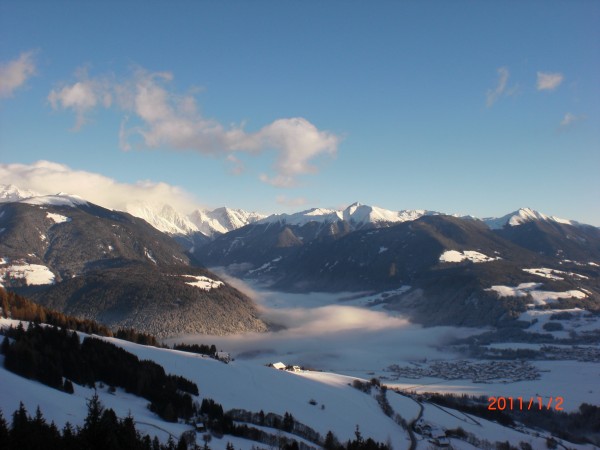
x=168 y=220
x=521 y=216
x=60 y=199
x=163 y=217
x=11 y=193
x=222 y=220
x=356 y=214
x=320 y=400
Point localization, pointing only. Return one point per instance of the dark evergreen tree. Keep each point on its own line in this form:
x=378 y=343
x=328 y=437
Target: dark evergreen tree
x=5 y=345
x=3 y=432
x=331 y=442
x=68 y=387
x=70 y=438
x=288 y=422
x=20 y=429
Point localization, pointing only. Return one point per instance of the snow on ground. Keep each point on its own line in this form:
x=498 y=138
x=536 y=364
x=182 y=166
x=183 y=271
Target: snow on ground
x=204 y=283
x=553 y=274
x=575 y=381
x=251 y=386
x=539 y=297
x=60 y=199
x=580 y=321
x=33 y=274
x=454 y=256
x=60 y=407
x=148 y=254
x=407 y=405
x=57 y=218
x=449 y=418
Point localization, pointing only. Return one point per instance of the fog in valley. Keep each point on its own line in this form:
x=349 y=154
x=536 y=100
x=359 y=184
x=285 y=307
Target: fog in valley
x=321 y=331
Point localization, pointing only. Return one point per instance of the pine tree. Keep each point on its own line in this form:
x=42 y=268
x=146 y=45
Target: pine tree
x=5 y=345
x=288 y=422
x=331 y=443
x=68 y=387
x=20 y=429
x=3 y=432
x=91 y=433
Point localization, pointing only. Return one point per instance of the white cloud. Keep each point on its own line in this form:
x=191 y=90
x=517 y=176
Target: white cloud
x=570 y=119
x=164 y=119
x=494 y=94
x=47 y=177
x=549 y=81
x=15 y=73
x=294 y=202
x=82 y=97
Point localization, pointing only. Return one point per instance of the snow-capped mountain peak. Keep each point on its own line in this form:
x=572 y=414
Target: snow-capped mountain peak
x=357 y=214
x=521 y=216
x=162 y=217
x=11 y=193
x=222 y=220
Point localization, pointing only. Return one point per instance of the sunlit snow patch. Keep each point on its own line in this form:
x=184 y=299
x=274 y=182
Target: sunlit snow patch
x=539 y=297
x=552 y=274
x=60 y=199
x=57 y=218
x=574 y=319
x=204 y=283
x=33 y=274
x=453 y=256
x=148 y=254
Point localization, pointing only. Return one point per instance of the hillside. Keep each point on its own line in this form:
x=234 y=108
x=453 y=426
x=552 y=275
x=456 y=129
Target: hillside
x=110 y=266
x=446 y=266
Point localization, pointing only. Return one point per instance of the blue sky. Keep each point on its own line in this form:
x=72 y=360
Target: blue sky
x=470 y=107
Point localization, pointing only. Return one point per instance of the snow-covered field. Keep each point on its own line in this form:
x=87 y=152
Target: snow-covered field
x=454 y=256
x=321 y=400
x=324 y=331
x=203 y=283
x=340 y=338
x=539 y=297
x=32 y=274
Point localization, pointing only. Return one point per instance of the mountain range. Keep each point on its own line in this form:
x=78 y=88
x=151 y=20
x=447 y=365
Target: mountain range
x=437 y=268
x=85 y=260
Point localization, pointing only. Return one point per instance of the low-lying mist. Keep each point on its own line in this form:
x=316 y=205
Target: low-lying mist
x=319 y=331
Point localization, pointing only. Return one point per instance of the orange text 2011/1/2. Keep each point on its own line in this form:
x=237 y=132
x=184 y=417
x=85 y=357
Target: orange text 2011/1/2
x=524 y=403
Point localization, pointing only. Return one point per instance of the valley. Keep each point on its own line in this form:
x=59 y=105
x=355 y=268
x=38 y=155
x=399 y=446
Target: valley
x=406 y=324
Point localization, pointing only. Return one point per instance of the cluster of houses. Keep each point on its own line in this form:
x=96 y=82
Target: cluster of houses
x=586 y=354
x=223 y=357
x=435 y=435
x=282 y=366
x=485 y=372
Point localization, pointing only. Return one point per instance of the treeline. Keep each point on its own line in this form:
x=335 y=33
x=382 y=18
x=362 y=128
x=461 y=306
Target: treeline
x=101 y=430
x=50 y=354
x=581 y=426
x=202 y=349
x=14 y=306
x=220 y=422
x=17 y=307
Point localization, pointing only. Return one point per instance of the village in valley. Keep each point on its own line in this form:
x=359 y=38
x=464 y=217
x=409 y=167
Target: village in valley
x=481 y=372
